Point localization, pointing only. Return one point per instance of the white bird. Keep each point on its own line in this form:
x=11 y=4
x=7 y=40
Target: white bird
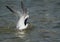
x=23 y=17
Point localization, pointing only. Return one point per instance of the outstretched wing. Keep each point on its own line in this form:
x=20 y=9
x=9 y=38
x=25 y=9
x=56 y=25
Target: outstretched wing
x=17 y=13
x=23 y=7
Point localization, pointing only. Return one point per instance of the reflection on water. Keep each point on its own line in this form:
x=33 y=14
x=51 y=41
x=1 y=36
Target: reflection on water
x=21 y=34
x=44 y=20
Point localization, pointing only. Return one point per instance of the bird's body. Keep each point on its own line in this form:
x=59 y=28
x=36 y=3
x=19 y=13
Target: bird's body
x=23 y=17
x=21 y=22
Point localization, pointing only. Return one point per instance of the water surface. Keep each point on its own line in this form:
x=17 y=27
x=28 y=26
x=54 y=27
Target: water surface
x=44 y=19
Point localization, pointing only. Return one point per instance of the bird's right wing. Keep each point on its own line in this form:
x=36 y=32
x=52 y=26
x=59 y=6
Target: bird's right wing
x=24 y=9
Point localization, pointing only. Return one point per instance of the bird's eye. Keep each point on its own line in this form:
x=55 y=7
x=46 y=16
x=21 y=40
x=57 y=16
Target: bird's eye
x=25 y=22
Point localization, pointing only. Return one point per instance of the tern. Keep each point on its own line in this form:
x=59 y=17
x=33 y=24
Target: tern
x=23 y=17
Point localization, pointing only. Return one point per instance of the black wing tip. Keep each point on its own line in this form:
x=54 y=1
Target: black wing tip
x=9 y=8
x=21 y=1
x=22 y=5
